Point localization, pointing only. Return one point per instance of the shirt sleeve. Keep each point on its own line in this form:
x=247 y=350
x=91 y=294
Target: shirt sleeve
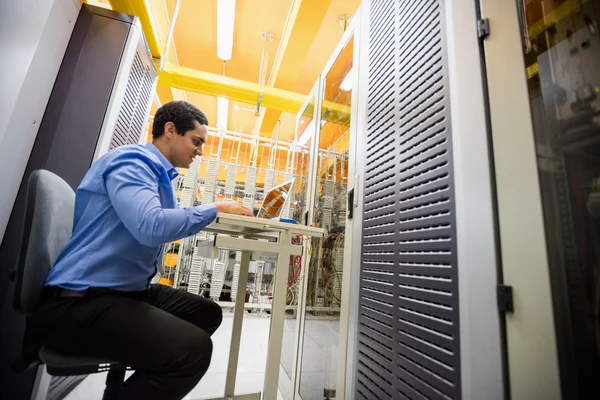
x=132 y=186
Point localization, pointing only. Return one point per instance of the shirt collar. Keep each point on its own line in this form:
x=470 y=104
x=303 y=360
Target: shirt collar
x=171 y=171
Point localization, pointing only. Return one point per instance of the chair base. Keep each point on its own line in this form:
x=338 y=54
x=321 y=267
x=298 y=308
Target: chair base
x=67 y=366
x=114 y=382
x=41 y=384
x=62 y=365
x=250 y=396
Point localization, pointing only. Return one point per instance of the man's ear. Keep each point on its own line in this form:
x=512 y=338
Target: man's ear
x=170 y=130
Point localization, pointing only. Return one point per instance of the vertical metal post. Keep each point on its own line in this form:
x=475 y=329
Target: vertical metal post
x=163 y=59
x=41 y=384
x=277 y=320
x=236 y=334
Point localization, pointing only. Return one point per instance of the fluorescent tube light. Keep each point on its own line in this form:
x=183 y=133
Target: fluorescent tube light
x=225 y=22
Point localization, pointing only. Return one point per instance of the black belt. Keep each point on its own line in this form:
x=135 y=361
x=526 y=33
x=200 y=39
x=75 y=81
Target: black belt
x=55 y=291
x=70 y=293
x=58 y=292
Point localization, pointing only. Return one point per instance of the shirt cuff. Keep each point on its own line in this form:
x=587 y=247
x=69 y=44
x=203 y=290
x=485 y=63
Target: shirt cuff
x=199 y=217
x=211 y=212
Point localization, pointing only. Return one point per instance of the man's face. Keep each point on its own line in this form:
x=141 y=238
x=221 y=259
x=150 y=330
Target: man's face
x=185 y=148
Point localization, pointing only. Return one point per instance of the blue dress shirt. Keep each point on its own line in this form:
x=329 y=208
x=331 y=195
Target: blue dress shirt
x=125 y=211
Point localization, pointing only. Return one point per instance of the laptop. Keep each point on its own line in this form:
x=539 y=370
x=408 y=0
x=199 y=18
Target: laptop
x=276 y=200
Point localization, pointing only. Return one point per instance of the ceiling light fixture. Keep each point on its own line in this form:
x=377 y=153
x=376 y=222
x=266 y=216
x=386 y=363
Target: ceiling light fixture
x=225 y=22
x=222 y=113
x=346 y=85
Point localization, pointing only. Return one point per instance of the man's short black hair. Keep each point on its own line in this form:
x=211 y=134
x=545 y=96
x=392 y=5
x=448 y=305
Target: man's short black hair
x=181 y=113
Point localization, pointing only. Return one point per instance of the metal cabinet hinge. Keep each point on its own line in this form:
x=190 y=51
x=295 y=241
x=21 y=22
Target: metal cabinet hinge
x=483 y=28
x=505 y=299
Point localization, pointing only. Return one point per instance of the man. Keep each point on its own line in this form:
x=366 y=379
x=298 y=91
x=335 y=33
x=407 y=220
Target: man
x=98 y=301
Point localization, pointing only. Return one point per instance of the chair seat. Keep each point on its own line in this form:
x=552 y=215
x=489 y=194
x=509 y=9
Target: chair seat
x=59 y=364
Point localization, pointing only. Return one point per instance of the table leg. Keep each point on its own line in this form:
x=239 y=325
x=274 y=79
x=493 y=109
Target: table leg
x=277 y=322
x=238 y=316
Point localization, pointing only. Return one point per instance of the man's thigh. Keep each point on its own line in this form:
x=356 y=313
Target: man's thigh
x=125 y=330
x=202 y=312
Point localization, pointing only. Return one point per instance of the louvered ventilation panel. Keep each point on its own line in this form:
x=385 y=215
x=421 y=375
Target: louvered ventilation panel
x=210 y=181
x=218 y=278
x=269 y=179
x=230 y=182
x=196 y=276
x=260 y=266
x=236 y=275
x=132 y=115
x=189 y=185
x=250 y=188
x=408 y=318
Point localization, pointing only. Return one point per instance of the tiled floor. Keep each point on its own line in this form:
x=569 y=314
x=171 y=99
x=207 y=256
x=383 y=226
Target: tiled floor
x=318 y=363
x=252 y=359
x=319 y=358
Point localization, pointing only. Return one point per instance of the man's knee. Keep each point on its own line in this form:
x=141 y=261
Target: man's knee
x=194 y=350
x=217 y=314
x=209 y=317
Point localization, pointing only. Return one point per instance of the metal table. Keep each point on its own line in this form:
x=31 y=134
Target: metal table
x=278 y=241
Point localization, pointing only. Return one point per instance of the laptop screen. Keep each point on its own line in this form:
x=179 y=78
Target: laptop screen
x=275 y=200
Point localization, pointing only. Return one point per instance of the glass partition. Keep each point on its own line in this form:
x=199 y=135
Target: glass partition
x=299 y=167
x=323 y=280
x=561 y=46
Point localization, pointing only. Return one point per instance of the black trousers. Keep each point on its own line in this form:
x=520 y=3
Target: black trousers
x=162 y=333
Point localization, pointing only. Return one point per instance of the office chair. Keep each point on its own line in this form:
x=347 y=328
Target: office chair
x=47 y=229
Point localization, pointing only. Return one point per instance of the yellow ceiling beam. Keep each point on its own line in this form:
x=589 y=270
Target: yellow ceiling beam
x=532 y=70
x=164 y=93
x=216 y=85
x=553 y=17
x=184 y=78
x=141 y=9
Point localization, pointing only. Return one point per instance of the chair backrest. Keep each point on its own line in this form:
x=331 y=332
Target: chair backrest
x=48 y=224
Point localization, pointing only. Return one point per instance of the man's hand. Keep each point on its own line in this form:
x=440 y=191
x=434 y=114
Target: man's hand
x=233 y=207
